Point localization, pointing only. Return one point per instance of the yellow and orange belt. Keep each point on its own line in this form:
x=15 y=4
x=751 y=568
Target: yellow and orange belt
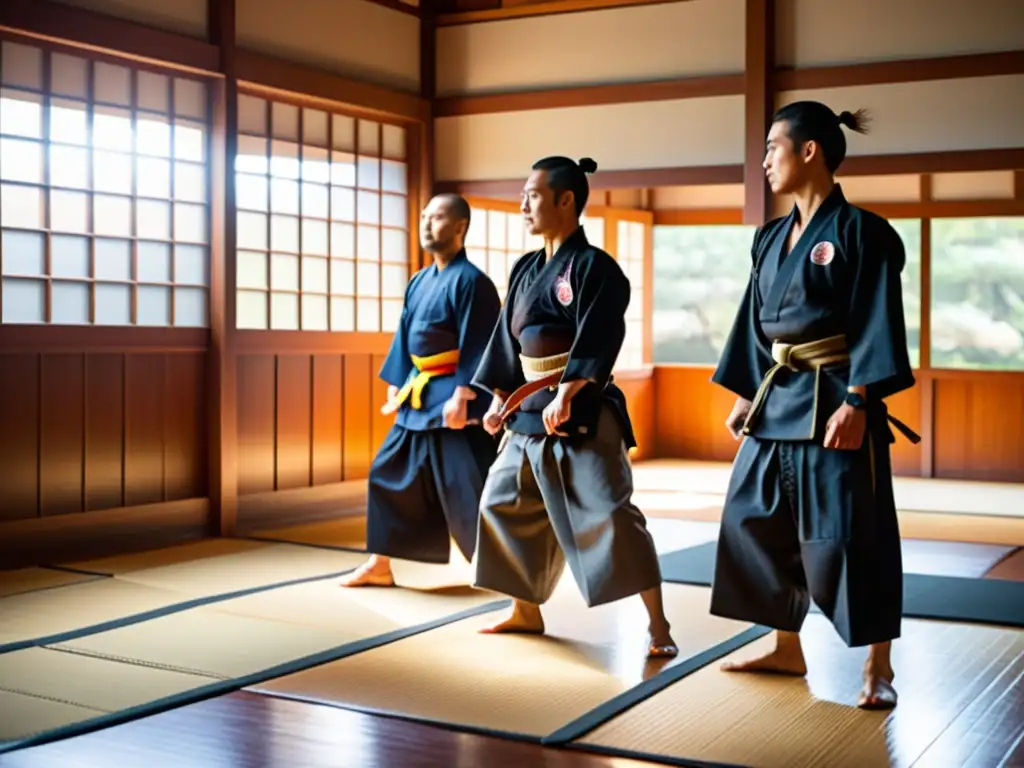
x=425 y=369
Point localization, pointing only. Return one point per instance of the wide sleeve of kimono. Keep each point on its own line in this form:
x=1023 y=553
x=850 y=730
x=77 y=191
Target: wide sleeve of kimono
x=499 y=368
x=477 y=306
x=876 y=331
x=398 y=365
x=602 y=296
x=746 y=356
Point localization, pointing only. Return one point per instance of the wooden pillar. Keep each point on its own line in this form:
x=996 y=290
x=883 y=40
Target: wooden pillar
x=759 y=105
x=428 y=90
x=222 y=364
x=926 y=381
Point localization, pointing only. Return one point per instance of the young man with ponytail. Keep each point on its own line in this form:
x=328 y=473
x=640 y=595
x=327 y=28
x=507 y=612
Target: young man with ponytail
x=819 y=342
x=560 y=487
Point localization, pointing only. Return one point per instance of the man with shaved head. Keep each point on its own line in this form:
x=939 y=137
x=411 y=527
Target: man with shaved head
x=426 y=480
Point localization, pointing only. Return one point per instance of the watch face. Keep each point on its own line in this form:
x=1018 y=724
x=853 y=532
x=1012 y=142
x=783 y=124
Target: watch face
x=855 y=400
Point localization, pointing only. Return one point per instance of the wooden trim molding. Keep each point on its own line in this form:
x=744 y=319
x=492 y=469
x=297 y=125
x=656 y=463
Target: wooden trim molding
x=733 y=84
x=398 y=5
x=902 y=71
x=88 y=535
x=519 y=10
x=310 y=342
x=591 y=95
x=107 y=34
x=758 y=107
x=624 y=179
x=273 y=509
x=271 y=77
x=36 y=339
x=932 y=209
x=681 y=217
x=957 y=161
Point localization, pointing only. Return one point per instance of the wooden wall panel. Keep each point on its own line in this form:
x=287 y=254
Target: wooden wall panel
x=256 y=384
x=90 y=431
x=639 y=392
x=979 y=426
x=19 y=425
x=328 y=413
x=906 y=406
x=61 y=433
x=690 y=415
x=104 y=431
x=145 y=396
x=978 y=431
x=185 y=445
x=293 y=423
x=308 y=419
x=357 y=433
x=379 y=423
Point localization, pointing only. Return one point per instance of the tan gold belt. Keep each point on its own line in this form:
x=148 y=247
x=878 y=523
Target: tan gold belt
x=539 y=372
x=809 y=356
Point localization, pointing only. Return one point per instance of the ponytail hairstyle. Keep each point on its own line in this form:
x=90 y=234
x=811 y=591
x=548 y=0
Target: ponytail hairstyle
x=814 y=121
x=566 y=175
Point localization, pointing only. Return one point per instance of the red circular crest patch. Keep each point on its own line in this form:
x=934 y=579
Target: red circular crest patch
x=823 y=253
x=563 y=291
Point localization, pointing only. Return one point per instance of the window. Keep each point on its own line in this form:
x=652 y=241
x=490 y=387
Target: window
x=909 y=231
x=593 y=227
x=497 y=237
x=977 y=312
x=700 y=273
x=103 y=193
x=630 y=250
x=323 y=220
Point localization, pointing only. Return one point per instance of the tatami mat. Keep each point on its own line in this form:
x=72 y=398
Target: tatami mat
x=238 y=637
x=524 y=685
x=143 y=667
x=27 y=715
x=33 y=579
x=191 y=552
x=770 y=721
x=34 y=615
x=137 y=592
x=254 y=569
x=85 y=681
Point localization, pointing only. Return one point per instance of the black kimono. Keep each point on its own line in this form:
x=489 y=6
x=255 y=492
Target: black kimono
x=426 y=479
x=547 y=497
x=802 y=521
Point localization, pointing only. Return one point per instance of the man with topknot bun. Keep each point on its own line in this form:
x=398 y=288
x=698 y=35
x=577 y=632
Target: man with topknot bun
x=818 y=344
x=560 y=487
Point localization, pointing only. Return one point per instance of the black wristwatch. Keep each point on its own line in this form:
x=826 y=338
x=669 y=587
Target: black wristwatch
x=855 y=400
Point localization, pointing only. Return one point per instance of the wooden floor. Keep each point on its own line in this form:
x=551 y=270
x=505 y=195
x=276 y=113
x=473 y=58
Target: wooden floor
x=248 y=730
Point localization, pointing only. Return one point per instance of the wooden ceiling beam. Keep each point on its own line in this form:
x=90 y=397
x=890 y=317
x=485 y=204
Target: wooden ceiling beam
x=972 y=160
x=517 y=9
x=874 y=73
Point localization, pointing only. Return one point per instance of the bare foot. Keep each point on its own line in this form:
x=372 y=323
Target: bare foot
x=375 y=572
x=878 y=691
x=661 y=645
x=786 y=659
x=524 y=618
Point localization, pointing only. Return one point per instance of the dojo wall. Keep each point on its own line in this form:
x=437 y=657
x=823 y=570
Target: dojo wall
x=516 y=89
x=111 y=435
x=623 y=45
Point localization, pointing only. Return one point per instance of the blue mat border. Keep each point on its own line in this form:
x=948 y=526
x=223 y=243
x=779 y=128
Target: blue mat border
x=228 y=686
x=996 y=602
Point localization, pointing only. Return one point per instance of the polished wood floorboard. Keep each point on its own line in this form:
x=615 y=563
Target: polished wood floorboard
x=245 y=730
